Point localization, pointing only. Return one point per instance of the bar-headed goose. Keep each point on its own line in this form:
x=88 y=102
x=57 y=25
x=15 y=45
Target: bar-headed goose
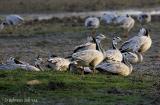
x=13 y=19
x=108 y=18
x=140 y=43
x=125 y=22
x=122 y=68
x=58 y=63
x=91 y=44
x=92 y=23
x=13 y=60
x=12 y=64
x=89 y=58
x=144 y=18
x=133 y=57
x=114 y=54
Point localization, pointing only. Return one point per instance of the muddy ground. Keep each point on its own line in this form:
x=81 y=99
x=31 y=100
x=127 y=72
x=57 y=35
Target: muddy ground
x=28 y=47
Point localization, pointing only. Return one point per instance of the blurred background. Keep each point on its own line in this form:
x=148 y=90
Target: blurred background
x=52 y=6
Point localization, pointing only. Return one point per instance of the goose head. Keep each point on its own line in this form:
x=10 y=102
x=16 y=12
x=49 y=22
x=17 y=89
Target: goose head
x=100 y=37
x=115 y=41
x=144 y=32
x=11 y=60
x=38 y=60
x=50 y=59
x=97 y=40
x=127 y=15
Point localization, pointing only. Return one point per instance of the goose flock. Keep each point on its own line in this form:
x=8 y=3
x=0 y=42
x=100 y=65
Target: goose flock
x=91 y=57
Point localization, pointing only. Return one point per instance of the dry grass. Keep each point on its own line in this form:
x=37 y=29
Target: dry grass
x=32 y=6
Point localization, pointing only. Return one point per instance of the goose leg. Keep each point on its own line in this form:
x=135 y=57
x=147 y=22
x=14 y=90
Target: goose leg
x=82 y=71
x=94 y=70
x=126 y=34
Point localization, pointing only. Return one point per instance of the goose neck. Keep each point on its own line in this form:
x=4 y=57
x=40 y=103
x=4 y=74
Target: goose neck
x=140 y=57
x=128 y=64
x=114 y=45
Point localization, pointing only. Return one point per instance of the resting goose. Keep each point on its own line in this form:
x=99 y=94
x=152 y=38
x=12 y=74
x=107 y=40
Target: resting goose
x=122 y=68
x=13 y=60
x=133 y=57
x=140 y=43
x=114 y=54
x=13 y=64
x=58 y=63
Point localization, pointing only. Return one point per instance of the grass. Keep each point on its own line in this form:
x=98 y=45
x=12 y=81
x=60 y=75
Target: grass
x=40 y=6
x=72 y=89
x=44 y=27
x=52 y=26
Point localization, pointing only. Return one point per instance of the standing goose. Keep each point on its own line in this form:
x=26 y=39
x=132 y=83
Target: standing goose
x=126 y=23
x=89 y=58
x=109 y=18
x=13 y=19
x=133 y=57
x=114 y=54
x=58 y=63
x=144 y=18
x=140 y=43
x=92 y=23
x=91 y=44
x=123 y=68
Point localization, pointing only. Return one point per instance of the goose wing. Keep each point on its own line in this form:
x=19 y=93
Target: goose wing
x=132 y=57
x=87 y=55
x=115 y=68
x=131 y=45
x=113 y=55
x=84 y=47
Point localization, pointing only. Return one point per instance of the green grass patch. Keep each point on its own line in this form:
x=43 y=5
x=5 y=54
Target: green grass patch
x=73 y=89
